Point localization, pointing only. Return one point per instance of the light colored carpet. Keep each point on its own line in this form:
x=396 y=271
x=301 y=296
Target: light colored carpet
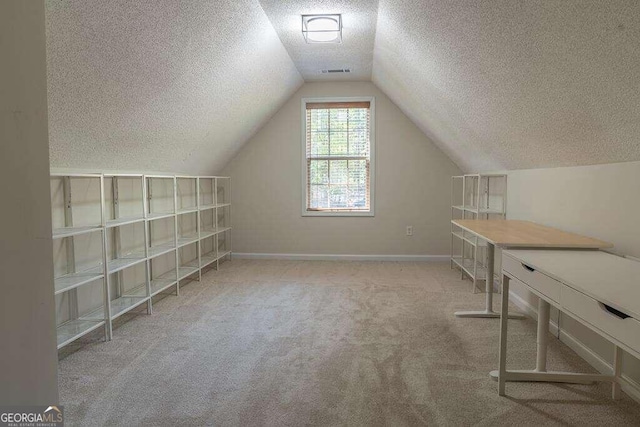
x=290 y=343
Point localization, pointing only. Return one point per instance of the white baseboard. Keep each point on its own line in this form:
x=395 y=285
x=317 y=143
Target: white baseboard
x=341 y=257
x=629 y=386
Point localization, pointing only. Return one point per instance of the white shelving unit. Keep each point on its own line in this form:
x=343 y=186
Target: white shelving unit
x=475 y=196
x=121 y=239
x=79 y=255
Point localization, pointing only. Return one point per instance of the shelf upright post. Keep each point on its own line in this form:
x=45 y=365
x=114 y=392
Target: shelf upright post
x=117 y=244
x=230 y=220
x=504 y=198
x=464 y=215
x=198 y=228
x=488 y=193
x=105 y=262
x=175 y=232
x=147 y=242
x=453 y=180
x=215 y=220
x=69 y=244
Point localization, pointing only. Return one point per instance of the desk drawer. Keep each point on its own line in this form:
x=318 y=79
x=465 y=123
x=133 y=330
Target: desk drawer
x=533 y=278
x=593 y=312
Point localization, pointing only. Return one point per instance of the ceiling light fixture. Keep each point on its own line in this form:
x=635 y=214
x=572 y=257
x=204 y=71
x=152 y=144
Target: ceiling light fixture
x=322 y=28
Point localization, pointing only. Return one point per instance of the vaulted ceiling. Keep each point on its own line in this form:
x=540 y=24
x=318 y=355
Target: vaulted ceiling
x=180 y=86
x=354 y=53
x=502 y=84
x=167 y=86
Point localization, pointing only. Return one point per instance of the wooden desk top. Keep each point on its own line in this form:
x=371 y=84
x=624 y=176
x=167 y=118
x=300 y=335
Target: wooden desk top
x=526 y=234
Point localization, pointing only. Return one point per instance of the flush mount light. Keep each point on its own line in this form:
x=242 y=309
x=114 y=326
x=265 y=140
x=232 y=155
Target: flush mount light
x=322 y=28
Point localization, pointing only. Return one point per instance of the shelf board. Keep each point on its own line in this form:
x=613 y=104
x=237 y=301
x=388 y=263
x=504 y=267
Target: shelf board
x=223 y=254
x=458 y=207
x=191 y=209
x=119 y=306
x=163 y=282
x=74 y=329
x=467 y=265
x=208 y=206
x=193 y=263
x=491 y=211
x=222 y=205
x=139 y=291
x=59 y=233
x=483 y=210
x=124 y=304
x=473 y=241
x=208 y=258
x=208 y=232
x=118 y=264
x=124 y=221
x=188 y=239
x=162 y=249
x=185 y=271
x=159 y=215
x=73 y=280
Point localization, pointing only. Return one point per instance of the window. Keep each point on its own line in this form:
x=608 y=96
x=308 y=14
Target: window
x=338 y=157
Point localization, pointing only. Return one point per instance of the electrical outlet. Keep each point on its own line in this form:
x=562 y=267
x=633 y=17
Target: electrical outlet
x=409 y=230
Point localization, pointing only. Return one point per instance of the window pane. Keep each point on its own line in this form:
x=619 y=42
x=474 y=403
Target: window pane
x=338 y=119
x=319 y=119
x=357 y=119
x=358 y=143
x=358 y=114
x=318 y=171
x=338 y=141
x=358 y=197
x=319 y=144
x=339 y=172
x=357 y=172
x=319 y=196
x=338 y=196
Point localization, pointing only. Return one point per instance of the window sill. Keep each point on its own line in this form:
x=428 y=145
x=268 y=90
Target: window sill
x=338 y=213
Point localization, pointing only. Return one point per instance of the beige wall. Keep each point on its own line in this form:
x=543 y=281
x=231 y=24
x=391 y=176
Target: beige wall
x=412 y=188
x=601 y=201
x=28 y=357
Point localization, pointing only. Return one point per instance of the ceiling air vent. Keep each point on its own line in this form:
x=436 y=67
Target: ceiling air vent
x=336 y=71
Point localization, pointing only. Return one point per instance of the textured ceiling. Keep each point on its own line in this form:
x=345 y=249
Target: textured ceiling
x=180 y=86
x=516 y=84
x=170 y=86
x=356 y=50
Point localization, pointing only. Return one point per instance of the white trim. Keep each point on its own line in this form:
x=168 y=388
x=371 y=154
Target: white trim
x=629 y=386
x=341 y=257
x=372 y=162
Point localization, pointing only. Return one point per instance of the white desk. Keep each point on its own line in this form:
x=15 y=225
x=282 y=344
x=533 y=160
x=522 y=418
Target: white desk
x=506 y=233
x=599 y=290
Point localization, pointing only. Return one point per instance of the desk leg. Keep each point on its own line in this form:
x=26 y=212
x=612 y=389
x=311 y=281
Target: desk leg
x=543 y=329
x=488 y=311
x=504 y=318
x=617 y=368
x=540 y=372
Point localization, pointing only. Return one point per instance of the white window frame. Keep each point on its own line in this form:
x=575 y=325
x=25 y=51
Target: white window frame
x=372 y=161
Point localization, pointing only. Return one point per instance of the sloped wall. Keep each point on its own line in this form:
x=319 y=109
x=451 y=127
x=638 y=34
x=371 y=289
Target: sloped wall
x=515 y=84
x=412 y=188
x=167 y=86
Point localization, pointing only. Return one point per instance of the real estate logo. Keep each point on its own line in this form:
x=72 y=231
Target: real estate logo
x=31 y=416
